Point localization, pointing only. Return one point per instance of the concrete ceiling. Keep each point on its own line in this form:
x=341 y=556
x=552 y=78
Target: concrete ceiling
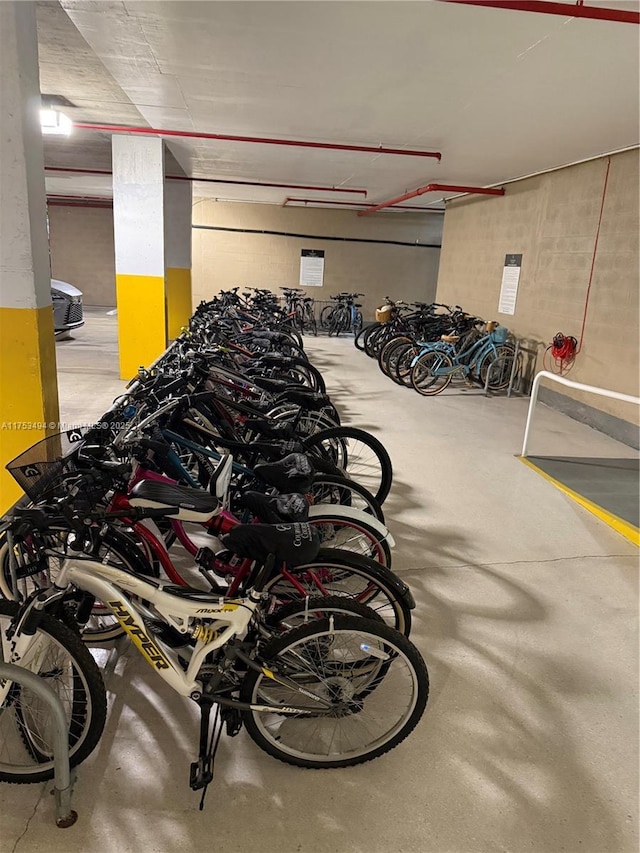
x=500 y=93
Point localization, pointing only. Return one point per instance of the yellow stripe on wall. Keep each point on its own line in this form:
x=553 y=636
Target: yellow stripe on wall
x=28 y=388
x=178 y=293
x=625 y=528
x=142 y=333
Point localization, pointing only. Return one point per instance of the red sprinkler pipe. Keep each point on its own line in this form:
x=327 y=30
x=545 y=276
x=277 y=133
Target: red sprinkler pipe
x=259 y=140
x=567 y=10
x=430 y=188
x=219 y=181
x=359 y=204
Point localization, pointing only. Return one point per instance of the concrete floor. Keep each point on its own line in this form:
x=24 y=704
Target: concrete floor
x=527 y=617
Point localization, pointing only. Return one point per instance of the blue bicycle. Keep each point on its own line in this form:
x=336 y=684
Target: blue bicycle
x=489 y=356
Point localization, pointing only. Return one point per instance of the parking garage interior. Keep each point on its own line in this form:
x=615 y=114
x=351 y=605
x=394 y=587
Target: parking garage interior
x=418 y=148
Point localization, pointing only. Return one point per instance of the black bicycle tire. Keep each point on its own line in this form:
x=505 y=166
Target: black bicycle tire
x=380 y=581
x=82 y=661
x=386 y=468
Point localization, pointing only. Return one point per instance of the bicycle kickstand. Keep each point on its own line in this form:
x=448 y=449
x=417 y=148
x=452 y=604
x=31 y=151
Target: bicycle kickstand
x=201 y=772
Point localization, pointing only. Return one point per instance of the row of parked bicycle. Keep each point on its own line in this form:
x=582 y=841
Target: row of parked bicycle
x=426 y=345
x=228 y=457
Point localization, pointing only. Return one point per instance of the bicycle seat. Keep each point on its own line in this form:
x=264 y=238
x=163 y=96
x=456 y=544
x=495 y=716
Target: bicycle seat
x=274 y=509
x=293 y=544
x=307 y=398
x=293 y=473
x=450 y=339
x=194 y=504
x=274 y=385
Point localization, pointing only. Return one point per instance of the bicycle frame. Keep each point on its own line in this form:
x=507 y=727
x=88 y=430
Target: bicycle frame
x=108 y=583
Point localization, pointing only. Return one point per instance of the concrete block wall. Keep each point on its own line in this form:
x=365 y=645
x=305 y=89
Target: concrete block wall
x=224 y=259
x=82 y=251
x=552 y=220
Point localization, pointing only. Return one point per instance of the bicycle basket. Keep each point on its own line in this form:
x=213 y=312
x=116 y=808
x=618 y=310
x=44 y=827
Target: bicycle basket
x=40 y=468
x=383 y=315
x=499 y=335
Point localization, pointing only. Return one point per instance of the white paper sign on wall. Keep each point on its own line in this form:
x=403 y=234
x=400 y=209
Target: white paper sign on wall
x=311 y=267
x=510 y=280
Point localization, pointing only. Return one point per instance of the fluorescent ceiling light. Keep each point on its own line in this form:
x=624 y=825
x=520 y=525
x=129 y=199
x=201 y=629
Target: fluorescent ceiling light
x=55 y=122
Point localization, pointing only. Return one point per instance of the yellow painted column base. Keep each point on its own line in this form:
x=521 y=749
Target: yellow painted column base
x=178 y=292
x=28 y=388
x=142 y=335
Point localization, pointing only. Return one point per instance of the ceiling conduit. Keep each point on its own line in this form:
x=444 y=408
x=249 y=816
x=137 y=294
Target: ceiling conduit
x=567 y=10
x=360 y=204
x=257 y=140
x=79 y=201
x=431 y=188
x=266 y=184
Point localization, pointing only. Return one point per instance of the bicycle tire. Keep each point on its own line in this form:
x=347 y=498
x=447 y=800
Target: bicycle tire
x=357 y=664
x=402 y=370
x=424 y=381
x=334 y=489
x=335 y=572
x=85 y=706
x=353 y=535
x=373 y=470
x=359 y=339
x=101 y=625
x=324 y=316
x=317 y=607
x=386 y=360
x=504 y=353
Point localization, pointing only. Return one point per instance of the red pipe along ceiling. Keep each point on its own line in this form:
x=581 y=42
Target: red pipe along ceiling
x=430 y=188
x=267 y=184
x=359 y=204
x=258 y=140
x=567 y=10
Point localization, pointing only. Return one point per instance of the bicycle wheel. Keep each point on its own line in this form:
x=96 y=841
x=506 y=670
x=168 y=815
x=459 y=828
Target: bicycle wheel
x=113 y=547
x=374 y=679
x=498 y=365
x=298 y=613
x=403 y=366
x=358 y=454
x=387 y=358
x=26 y=726
x=353 y=535
x=360 y=338
x=430 y=374
x=325 y=314
x=339 y=321
x=336 y=572
x=333 y=489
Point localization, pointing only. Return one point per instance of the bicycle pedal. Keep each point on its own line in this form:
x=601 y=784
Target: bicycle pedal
x=200 y=773
x=205 y=558
x=233 y=721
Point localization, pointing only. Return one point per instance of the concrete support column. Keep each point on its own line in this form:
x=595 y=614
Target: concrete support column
x=177 y=231
x=138 y=228
x=28 y=381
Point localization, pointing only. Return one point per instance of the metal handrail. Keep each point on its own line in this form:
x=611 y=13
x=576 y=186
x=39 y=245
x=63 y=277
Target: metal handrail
x=65 y=815
x=593 y=389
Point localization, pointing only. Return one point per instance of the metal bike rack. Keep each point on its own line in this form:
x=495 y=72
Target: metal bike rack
x=65 y=815
x=517 y=375
x=578 y=386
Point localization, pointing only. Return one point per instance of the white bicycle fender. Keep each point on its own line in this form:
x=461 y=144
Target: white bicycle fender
x=337 y=511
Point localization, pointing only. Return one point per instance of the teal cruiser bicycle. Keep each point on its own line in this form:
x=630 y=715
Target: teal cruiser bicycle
x=489 y=356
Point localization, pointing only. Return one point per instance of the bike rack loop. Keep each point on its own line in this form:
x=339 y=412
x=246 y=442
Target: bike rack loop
x=65 y=816
x=593 y=389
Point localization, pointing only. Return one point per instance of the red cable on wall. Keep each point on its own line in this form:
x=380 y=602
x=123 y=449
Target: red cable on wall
x=593 y=259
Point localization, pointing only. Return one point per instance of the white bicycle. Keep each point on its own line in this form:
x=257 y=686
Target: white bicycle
x=334 y=691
